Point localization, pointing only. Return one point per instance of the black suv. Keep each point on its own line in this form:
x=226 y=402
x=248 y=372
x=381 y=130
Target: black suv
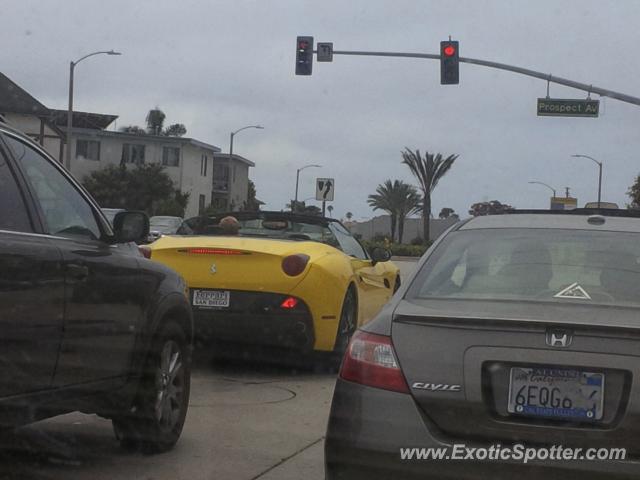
x=85 y=325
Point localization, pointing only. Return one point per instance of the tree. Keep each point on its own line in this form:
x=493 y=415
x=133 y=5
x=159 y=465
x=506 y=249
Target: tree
x=446 y=212
x=349 y=216
x=145 y=187
x=330 y=208
x=155 y=121
x=494 y=207
x=175 y=130
x=428 y=171
x=399 y=200
x=251 y=204
x=634 y=193
x=133 y=129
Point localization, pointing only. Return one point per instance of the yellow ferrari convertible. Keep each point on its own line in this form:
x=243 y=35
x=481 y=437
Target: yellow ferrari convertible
x=280 y=279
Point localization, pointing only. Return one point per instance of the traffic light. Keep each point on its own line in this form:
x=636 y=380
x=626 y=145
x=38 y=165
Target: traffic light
x=304 y=55
x=449 y=63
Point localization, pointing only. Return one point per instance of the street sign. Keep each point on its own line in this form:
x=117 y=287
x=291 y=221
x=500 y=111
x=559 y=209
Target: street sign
x=556 y=107
x=324 y=189
x=324 y=52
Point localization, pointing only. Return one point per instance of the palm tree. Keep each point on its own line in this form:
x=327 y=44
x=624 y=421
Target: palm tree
x=428 y=171
x=155 y=121
x=349 y=216
x=399 y=200
x=330 y=208
x=383 y=200
x=407 y=203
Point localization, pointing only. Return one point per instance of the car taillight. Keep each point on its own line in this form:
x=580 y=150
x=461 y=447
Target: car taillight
x=289 y=303
x=145 y=251
x=294 y=265
x=370 y=360
x=212 y=251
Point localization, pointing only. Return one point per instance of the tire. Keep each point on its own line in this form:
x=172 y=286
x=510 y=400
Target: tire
x=155 y=422
x=348 y=324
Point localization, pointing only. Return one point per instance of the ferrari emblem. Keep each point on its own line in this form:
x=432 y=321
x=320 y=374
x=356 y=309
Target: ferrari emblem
x=213 y=269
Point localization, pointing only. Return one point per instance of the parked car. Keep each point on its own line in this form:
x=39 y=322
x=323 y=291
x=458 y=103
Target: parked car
x=521 y=328
x=162 y=225
x=85 y=326
x=281 y=279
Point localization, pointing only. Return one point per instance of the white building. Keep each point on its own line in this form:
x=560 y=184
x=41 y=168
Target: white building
x=230 y=181
x=187 y=161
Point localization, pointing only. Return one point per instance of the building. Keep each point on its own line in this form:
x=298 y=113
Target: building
x=230 y=183
x=381 y=225
x=189 y=162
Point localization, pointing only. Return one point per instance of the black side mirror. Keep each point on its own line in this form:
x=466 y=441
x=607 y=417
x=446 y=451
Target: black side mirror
x=379 y=254
x=131 y=227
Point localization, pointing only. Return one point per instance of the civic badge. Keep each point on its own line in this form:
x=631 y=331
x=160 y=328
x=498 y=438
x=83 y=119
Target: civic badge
x=213 y=270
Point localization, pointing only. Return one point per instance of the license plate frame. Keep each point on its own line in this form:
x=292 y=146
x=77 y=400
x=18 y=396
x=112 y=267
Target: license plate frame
x=572 y=394
x=213 y=299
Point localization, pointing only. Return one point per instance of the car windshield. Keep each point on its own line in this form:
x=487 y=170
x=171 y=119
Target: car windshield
x=171 y=222
x=563 y=266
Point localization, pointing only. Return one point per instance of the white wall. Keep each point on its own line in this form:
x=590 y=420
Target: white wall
x=238 y=187
x=30 y=125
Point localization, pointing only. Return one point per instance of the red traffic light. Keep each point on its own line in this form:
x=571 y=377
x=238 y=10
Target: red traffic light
x=449 y=51
x=303 y=45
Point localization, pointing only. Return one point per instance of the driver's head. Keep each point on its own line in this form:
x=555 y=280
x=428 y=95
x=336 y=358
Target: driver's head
x=229 y=225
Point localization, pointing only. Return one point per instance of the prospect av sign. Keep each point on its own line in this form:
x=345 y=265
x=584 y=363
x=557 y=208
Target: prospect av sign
x=556 y=107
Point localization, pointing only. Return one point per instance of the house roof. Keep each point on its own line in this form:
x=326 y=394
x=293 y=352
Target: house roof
x=225 y=156
x=146 y=138
x=82 y=119
x=15 y=99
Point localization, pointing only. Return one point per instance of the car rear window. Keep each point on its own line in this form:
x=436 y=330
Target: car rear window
x=580 y=266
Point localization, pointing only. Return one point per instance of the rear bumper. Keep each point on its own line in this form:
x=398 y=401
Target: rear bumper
x=255 y=318
x=368 y=427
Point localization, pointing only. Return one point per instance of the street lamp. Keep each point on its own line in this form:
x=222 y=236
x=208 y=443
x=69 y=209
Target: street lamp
x=259 y=127
x=72 y=66
x=298 y=181
x=599 y=173
x=548 y=186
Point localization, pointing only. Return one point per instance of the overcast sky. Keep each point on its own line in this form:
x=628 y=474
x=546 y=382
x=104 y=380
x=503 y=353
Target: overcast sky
x=219 y=65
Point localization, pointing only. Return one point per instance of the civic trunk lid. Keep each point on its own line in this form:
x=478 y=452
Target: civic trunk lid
x=233 y=263
x=457 y=358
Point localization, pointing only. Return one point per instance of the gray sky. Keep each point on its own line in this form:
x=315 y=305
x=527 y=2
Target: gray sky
x=219 y=65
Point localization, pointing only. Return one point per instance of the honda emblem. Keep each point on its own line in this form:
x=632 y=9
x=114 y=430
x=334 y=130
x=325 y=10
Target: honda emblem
x=559 y=338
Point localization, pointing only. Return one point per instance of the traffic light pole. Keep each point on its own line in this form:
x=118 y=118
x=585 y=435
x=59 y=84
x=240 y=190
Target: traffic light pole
x=603 y=92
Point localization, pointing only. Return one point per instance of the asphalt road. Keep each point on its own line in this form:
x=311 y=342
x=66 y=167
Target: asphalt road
x=246 y=421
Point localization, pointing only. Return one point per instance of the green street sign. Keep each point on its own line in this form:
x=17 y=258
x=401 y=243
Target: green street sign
x=557 y=107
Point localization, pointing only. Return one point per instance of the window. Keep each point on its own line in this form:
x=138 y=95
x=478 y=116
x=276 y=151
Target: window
x=201 y=201
x=171 y=156
x=221 y=178
x=66 y=211
x=348 y=244
x=88 y=149
x=13 y=212
x=204 y=160
x=133 y=153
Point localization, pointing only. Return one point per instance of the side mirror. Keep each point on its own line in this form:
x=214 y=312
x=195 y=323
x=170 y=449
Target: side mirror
x=131 y=227
x=379 y=254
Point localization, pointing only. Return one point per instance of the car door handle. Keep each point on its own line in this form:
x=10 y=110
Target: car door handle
x=77 y=272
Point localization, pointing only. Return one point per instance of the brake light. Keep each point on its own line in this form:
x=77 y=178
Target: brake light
x=212 y=251
x=370 y=360
x=294 y=265
x=289 y=303
x=145 y=251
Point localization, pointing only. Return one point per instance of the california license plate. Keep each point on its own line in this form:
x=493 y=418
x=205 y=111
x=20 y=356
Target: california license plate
x=556 y=393
x=211 y=298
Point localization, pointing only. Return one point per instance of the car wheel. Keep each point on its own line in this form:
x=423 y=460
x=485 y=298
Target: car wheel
x=348 y=324
x=156 y=420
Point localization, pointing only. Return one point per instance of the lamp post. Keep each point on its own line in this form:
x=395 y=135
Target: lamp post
x=259 y=127
x=548 y=186
x=72 y=67
x=599 y=174
x=295 y=202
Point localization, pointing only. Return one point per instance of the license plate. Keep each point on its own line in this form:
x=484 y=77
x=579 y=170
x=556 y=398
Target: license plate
x=211 y=298
x=556 y=393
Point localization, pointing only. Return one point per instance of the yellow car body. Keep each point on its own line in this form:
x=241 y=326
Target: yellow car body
x=251 y=270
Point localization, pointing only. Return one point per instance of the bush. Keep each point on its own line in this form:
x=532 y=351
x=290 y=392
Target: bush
x=397 y=249
x=417 y=241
